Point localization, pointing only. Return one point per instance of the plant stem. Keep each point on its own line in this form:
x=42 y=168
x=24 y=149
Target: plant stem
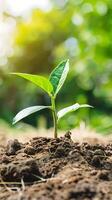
x=54 y=116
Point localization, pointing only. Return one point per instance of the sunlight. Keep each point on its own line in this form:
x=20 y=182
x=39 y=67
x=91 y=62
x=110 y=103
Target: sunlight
x=20 y=7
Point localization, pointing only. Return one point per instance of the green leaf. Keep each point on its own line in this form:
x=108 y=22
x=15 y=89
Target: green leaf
x=28 y=111
x=58 y=76
x=69 y=109
x=40 y=81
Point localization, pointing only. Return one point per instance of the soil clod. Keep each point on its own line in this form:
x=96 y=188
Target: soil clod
x=12 y=147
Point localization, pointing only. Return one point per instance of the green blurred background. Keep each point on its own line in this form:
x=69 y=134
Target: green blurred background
x=35 y=36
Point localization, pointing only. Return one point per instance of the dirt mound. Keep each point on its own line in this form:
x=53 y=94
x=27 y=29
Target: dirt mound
x=55 y=169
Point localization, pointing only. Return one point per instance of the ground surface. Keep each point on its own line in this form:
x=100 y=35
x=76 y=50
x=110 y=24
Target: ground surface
x=55 y=169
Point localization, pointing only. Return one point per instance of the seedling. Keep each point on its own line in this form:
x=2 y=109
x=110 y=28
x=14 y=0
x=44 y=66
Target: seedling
x=51 y=86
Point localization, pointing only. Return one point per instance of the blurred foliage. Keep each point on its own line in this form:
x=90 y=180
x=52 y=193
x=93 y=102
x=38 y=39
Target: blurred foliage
x=78 y=30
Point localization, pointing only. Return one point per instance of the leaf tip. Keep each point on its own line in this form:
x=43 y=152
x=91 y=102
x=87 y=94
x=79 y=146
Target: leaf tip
x=13 y=122
x=66 y=60
x=92 y=106
x=86 y=105
x=14 y=73
x=11 y=73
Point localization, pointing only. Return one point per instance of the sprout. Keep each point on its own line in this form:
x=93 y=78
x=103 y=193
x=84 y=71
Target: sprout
x=51 y=86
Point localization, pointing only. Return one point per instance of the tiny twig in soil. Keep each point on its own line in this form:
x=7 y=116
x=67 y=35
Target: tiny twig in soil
x=42 y=179
x=23 y=184
x=5 y=186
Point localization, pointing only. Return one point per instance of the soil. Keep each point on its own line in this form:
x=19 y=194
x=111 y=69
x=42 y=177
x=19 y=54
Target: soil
x=55 y=169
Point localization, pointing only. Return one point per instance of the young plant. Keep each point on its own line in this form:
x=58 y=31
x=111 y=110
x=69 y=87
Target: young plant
x=51 y=86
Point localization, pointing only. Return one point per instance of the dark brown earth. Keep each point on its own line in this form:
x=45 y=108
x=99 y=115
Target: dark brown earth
x=55 y=169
